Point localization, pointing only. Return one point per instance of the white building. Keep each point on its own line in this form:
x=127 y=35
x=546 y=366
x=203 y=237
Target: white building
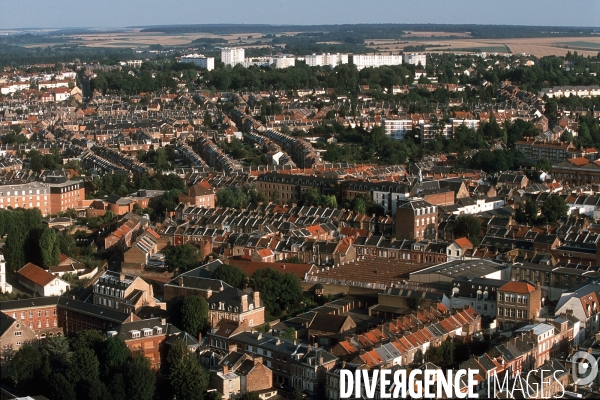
x=415 y=59
x=200 y=61
x=284 y=61
x=40 y=281
x=232 y=55
x=5 y=287
x=375 y=60
x=397 y=128
x=319 y=60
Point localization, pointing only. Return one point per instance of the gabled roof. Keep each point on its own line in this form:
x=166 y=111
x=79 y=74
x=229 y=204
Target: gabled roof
x=36 y=274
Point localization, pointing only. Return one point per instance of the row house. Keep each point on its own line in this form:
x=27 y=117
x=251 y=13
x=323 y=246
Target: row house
x=422 y=252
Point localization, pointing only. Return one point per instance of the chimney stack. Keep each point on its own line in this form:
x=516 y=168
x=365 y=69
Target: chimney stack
x=121 y=277
x=244 y=303
x=256 y=299
x=257 y=360
x=163 y=321
x=180 y=281
x=225 y=369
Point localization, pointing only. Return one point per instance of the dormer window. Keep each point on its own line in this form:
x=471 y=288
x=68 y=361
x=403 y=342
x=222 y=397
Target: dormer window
x=158 y=330
x=135 y=334
x=147 y=332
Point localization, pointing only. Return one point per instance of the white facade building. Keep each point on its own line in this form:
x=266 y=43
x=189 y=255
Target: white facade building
x=5 y=287
x=375 y=60
x=232 y=55
x=200 y=61
x=415 y=59
x=319 y=60
x=284 y=61
x=397 y=128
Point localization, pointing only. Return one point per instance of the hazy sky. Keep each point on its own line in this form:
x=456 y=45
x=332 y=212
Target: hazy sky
x=121 y=13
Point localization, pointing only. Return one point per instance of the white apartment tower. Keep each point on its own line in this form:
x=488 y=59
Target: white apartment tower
x=232 y=56
x=415 y=59
x=375 y=60
x=200 y=60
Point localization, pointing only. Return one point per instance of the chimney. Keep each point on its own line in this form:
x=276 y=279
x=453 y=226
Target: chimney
x=200 y=337
x=180 y=281
x=225 y=369
x=256 y=299
x=121 y=277
x=232 y=347
x=163 y=321
x=244 y=303
x=257 y=360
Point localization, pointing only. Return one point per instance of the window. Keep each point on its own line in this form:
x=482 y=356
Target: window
x=525 y=298
x=500 y=311
x=18 y=343
x=23 y=315
x=39 y=313
x=135 y=334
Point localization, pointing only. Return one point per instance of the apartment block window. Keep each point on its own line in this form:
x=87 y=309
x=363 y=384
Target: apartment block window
x=18 y=333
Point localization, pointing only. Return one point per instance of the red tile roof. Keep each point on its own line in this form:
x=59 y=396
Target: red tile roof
x=36 y=274
x=463 y=242
x=518 y=287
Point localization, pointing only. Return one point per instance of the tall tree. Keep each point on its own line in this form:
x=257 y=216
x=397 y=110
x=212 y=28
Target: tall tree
x=25 y=363
x=194 y=314
x=231 y=274
x=140 y=379
x=554 y=208
x=187 y=378
x=49 y=247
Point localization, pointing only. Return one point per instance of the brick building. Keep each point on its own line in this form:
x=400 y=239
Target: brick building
x=577 y=171
x=126 y=293
x=38 y=314
x=238 y=374
x=146 y=336
x=28 y=195
x=64 y=194
x=13 y=335
x=416 y=219
x=198 y=196
x=518 y=303
x=290 y=187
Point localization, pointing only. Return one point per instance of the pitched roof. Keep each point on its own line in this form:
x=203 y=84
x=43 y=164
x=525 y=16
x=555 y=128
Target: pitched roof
x=518 y=287
x=36 y=274
x=463 y=242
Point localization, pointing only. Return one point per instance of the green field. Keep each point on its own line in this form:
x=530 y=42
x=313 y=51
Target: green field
x=580 y=45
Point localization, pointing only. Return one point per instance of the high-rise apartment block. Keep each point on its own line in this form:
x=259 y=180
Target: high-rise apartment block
x=232 y=56
x=375 y=60
x=200 y=60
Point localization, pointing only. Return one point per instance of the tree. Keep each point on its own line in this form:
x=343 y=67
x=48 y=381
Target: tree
x=25 y=363
x=49 y=248
x=413 y=303
x=566 y=136
x=468 y=226
x=194 y=314
x=275 y=196
x=59 y=352
x=61 y=388
x=289 y=334
x=527 y=213
x=231 y=274
x=85 y=366
x=140 y=379
x=278 y=291
x=14 y=249
x=329 y=201
x=554 y=208
x=66 y=243
x=182 y=258
x=544 y=165
x=358 y=205
x=187 y=378
x=113 y=355
x=311 y=197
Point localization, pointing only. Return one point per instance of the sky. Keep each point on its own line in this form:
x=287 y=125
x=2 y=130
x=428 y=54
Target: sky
x=122 y=13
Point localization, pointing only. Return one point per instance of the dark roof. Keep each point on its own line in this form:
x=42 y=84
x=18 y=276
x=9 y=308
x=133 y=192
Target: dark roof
x=93 y=310
x=10 y=305
x=328 y=323
x=124 y=331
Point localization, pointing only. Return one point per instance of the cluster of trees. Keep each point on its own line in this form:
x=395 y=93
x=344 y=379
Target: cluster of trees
x=250 y=155
x=312 y=197
x=280 y=292
x=442 y=355
x=182 y=258
x=498 y=160
x=240 y=197
x=159 y=159
x=88 y=366
x=38 y=162
x=468 y=226
x=151 y=76
x=553 y=209
x=29 y=240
